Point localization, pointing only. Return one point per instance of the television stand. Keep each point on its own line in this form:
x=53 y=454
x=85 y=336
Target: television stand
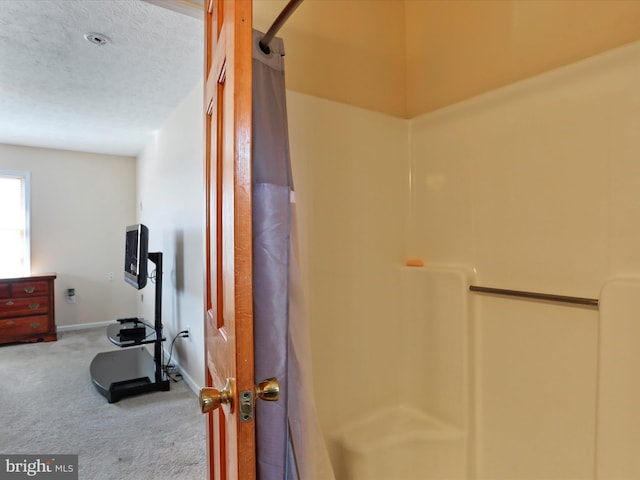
x=126 y=372
x=132 y=371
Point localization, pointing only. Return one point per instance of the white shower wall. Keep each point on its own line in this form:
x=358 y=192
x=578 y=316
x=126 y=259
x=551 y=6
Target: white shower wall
x=535 y=186
x=351 y=178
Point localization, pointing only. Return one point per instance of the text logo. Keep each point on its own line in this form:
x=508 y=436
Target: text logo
x=49 y=467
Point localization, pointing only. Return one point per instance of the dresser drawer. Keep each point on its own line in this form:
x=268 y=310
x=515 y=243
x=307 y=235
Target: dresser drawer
x=27 y=309
x=19 y=327
x=23 y=306
x=29 y=289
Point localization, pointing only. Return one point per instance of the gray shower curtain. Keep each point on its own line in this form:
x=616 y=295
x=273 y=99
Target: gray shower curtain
x=288 y=438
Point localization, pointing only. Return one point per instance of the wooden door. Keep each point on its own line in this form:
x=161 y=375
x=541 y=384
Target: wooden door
x=228 y=284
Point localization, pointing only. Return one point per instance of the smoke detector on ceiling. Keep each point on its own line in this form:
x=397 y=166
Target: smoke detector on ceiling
x=97 y=38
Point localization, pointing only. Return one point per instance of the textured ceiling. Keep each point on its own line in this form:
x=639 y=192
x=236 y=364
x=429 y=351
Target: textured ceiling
x=57 y=90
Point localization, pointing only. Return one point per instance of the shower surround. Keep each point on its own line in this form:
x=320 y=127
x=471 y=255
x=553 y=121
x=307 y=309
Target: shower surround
x=530 y=187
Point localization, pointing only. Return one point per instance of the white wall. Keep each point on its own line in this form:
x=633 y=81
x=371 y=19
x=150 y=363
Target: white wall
x=350 y=169
x=80 y=204
x=171 y=204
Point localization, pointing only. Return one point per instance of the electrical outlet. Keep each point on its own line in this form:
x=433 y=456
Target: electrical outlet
x=110 y=276
x=188 y=337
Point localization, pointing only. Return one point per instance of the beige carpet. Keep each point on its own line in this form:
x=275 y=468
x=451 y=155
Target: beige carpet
x=48 y=405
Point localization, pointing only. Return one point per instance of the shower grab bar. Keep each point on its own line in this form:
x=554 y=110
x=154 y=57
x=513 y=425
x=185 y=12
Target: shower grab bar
x=590 y=302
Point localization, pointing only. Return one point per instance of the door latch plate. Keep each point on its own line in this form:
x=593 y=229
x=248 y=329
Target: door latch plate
x=246 y=406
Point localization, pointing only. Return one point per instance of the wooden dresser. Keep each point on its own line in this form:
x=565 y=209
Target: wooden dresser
x=27 y=311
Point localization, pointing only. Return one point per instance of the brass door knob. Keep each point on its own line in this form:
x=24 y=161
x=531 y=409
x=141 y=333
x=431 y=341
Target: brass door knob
x=211 y=398
x=268 y=390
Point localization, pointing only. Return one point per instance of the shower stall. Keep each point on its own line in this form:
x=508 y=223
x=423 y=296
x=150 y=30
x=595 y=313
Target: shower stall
x=532 y=187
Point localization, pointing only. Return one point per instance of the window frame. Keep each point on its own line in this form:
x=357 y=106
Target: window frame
x=26 y=179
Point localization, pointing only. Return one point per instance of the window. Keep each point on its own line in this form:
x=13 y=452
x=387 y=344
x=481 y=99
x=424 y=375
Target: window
x=15 y=256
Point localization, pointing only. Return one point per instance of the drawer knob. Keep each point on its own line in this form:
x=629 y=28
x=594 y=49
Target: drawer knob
x=10 y=323
x=34 y=306
x=29 y=289
x=34 y=325
x=9 y=303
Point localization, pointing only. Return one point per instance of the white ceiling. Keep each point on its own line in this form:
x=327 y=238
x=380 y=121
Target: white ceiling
x=59 y=91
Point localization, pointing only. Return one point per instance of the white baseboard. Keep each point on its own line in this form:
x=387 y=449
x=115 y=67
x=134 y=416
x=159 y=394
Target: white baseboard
x=83 y=326
x=195 y=388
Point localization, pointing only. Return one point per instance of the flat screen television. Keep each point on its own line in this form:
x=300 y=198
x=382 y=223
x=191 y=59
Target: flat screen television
x=136 y=255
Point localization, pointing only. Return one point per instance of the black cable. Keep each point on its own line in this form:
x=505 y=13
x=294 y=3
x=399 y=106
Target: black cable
x=168 y=365
x=171 y=350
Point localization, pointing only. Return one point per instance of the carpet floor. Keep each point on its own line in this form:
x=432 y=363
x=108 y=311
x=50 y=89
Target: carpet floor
x=49 y=406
